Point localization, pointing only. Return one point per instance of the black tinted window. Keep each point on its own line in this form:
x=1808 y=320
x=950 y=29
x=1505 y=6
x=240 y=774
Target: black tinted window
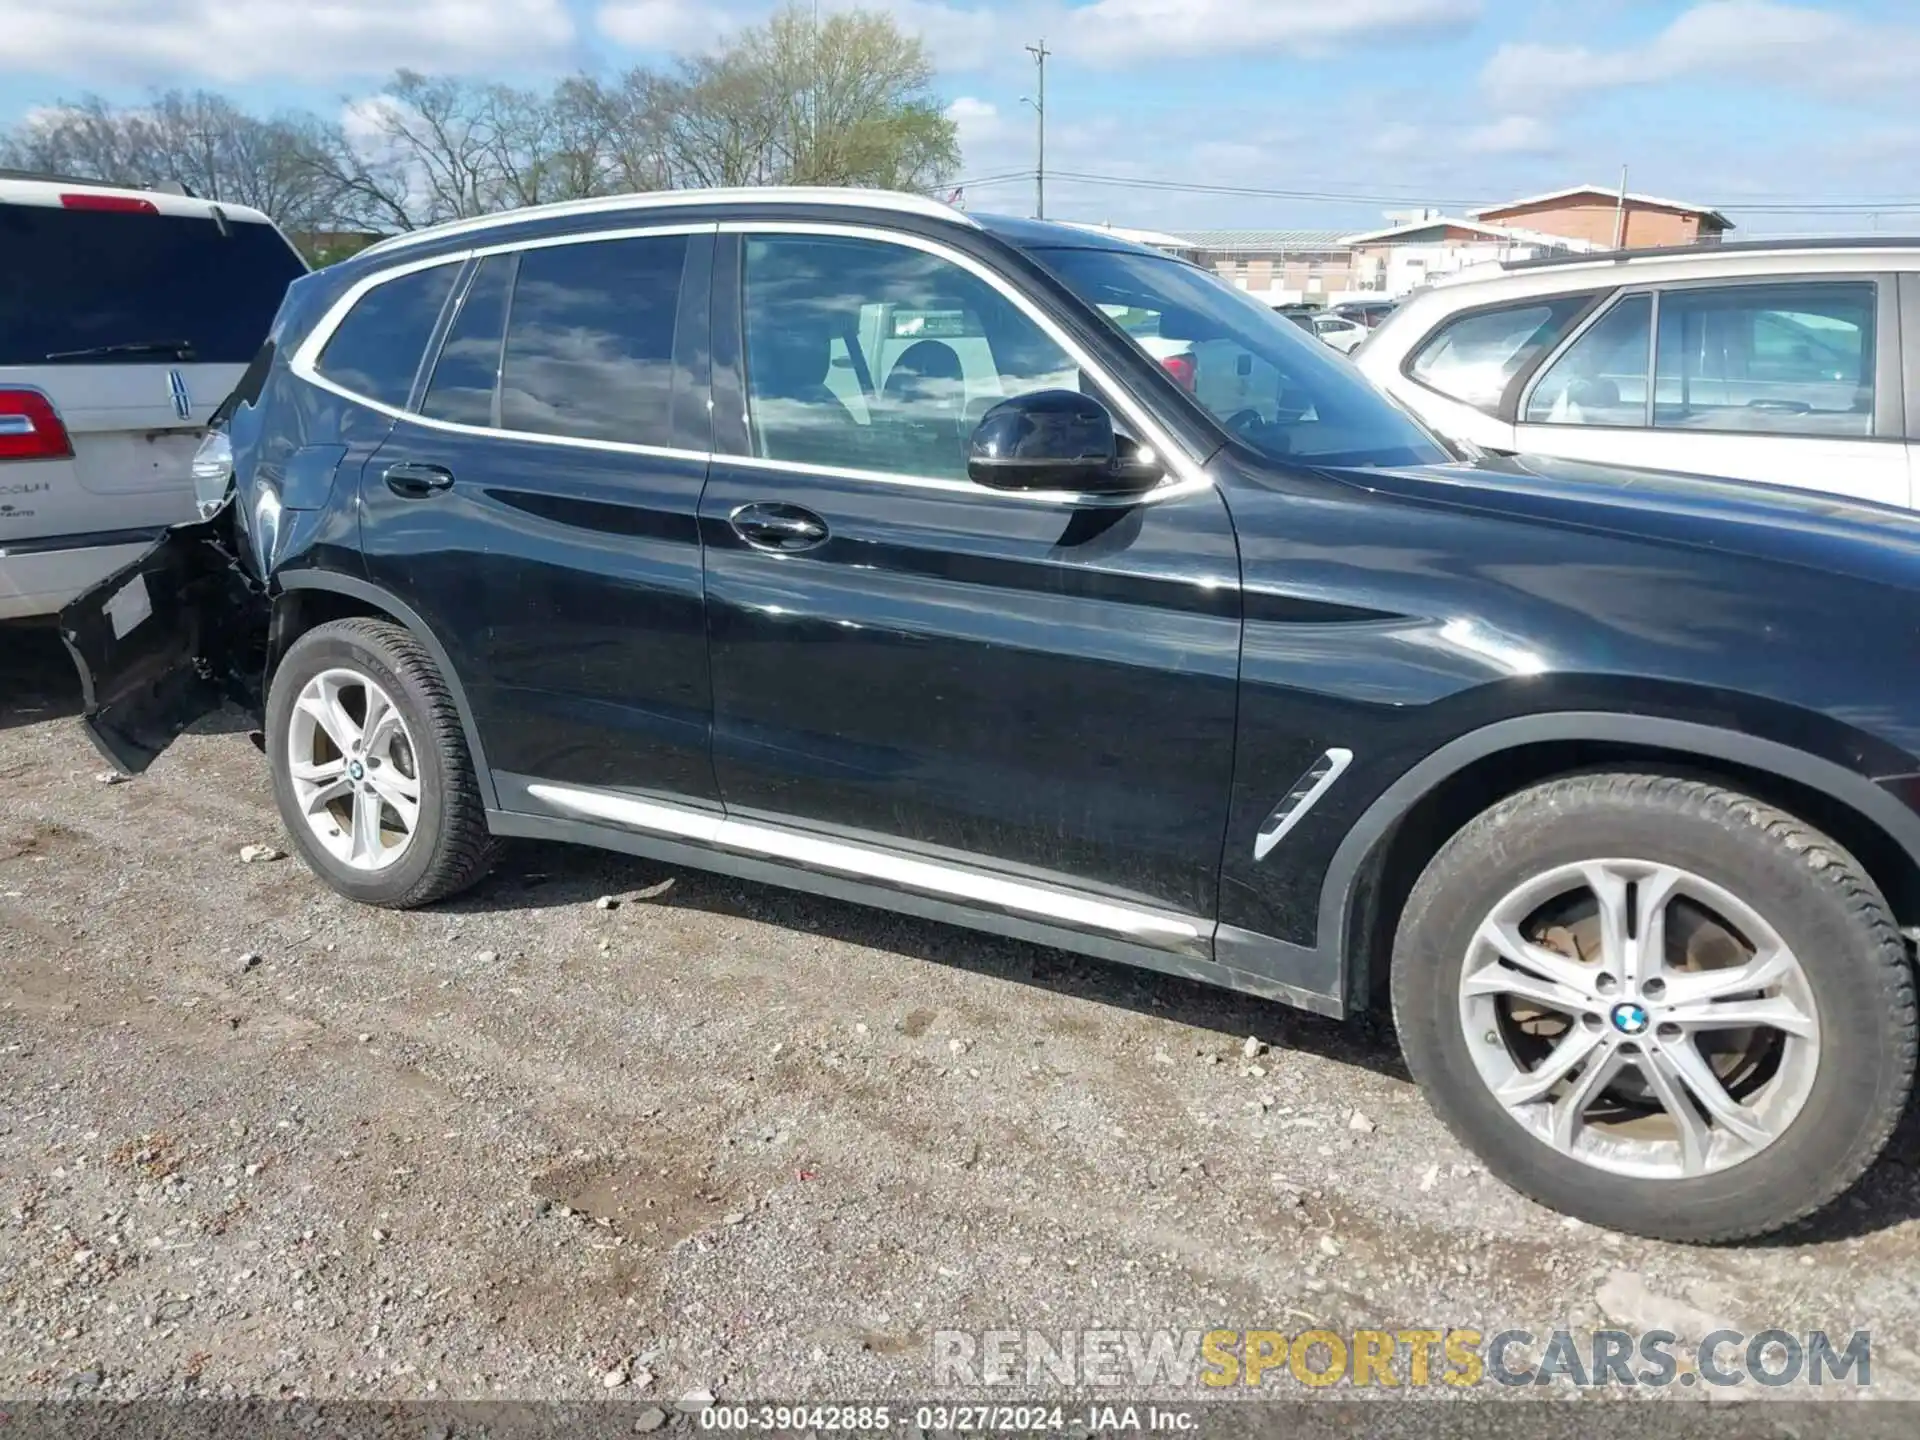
x=589 y=348
x=376 y=350
x=74 y=280
x=469 y=363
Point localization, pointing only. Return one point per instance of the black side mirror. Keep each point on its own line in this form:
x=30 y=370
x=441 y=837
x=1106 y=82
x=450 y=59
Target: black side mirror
x=1057 y=440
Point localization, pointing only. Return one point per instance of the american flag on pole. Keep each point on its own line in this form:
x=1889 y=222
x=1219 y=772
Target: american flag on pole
x=958 y=197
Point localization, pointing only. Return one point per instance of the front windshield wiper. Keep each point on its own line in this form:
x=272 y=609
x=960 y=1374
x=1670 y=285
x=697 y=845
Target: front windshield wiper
x=178 y=349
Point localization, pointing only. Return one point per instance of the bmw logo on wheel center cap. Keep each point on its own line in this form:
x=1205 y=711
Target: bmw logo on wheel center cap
x=358 y=771
x=1629 y=1018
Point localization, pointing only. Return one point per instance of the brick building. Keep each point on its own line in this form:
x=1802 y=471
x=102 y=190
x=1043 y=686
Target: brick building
x=1592 y=213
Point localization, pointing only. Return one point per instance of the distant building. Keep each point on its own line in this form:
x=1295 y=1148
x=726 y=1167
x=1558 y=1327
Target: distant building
x=1396 y=259
x=1593 y=213
x=1322 y=267
x=1277 y=266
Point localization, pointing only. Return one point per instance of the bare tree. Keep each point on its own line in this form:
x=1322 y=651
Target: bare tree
x=371 y=188
x=439 y=132
x=844 y=101
x=521 y=143
x=84 y=138
x=196 y=140
x=613 y=138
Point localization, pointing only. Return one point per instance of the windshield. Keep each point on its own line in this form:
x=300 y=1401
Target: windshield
x=1268 y=381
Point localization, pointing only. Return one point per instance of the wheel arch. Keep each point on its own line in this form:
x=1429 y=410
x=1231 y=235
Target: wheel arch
x=308 y=598
x=1383 y=854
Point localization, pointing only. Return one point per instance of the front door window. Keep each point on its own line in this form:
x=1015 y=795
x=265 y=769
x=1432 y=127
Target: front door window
x=865 y=355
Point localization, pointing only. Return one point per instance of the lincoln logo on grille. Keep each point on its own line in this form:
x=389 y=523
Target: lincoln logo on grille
x=182 y=402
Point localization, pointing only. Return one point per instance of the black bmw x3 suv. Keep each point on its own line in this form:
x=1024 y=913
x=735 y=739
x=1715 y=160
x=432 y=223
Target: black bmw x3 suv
x=1012 y=575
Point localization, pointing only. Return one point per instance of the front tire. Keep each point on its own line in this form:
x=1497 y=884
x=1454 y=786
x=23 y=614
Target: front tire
x=370 y=767
x=1657 y=1004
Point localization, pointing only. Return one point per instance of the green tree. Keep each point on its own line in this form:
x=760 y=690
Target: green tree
x=843 y=101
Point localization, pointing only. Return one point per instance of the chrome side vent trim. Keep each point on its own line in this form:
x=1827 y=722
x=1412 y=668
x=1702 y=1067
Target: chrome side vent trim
x=1304 y=795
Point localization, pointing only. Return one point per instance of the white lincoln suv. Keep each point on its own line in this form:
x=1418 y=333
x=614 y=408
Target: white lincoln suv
x=126 y=317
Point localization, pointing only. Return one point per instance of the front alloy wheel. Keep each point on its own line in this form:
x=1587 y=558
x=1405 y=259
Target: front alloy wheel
x=1639 y=1018
x=1657 y=1004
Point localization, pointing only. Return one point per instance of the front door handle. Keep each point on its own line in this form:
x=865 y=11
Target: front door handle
x=772 y=526
x=412 y=480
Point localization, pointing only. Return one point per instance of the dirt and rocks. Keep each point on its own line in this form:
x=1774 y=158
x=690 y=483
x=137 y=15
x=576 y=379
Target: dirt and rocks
x=607 y=1129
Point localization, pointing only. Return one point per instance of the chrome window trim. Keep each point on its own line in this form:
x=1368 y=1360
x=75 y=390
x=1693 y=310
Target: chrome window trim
x=594 y=237
x=1163 y=929
x=305 y=360
x=1185 y=477
x=840 y=197
x=1190 y=478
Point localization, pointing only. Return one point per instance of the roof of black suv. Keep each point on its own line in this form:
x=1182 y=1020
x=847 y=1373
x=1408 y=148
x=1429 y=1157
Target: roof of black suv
x=820 y=201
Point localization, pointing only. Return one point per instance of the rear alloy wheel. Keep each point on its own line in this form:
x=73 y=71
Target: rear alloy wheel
x=371 y=769
x=354 y=769
x=1657 y=1004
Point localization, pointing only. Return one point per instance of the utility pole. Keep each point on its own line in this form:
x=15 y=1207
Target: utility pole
x=1040 y=53
x=1620 y=214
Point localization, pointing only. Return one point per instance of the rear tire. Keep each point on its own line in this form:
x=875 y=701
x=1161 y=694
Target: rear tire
x=389 y=812
x=1721 y=887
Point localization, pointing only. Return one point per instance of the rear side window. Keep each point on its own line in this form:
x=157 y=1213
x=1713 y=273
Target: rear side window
x=469 y=364
x=376 y=350
x=589 y=351
x=1474 y=357
x=150 y=289
x=1784 y=359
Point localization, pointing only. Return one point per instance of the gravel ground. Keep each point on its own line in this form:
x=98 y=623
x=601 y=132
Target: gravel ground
x=256 y=1140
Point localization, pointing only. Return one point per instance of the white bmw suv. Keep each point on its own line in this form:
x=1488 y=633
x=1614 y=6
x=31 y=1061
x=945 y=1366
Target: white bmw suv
x=126 y=317
x=1789 y=363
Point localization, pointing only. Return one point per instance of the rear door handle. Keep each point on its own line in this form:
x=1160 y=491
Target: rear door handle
x=773 y=526
x=412 y=480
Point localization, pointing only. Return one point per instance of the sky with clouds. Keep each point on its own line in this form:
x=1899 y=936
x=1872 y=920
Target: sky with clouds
x=1335 y=109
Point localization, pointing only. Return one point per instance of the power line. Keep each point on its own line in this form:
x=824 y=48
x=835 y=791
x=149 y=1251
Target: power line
x=1150 y=183
x=1758 y=206
x=997 y=178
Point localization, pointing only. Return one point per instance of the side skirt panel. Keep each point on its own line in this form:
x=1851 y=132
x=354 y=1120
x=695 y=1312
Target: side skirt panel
x=906 y=902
